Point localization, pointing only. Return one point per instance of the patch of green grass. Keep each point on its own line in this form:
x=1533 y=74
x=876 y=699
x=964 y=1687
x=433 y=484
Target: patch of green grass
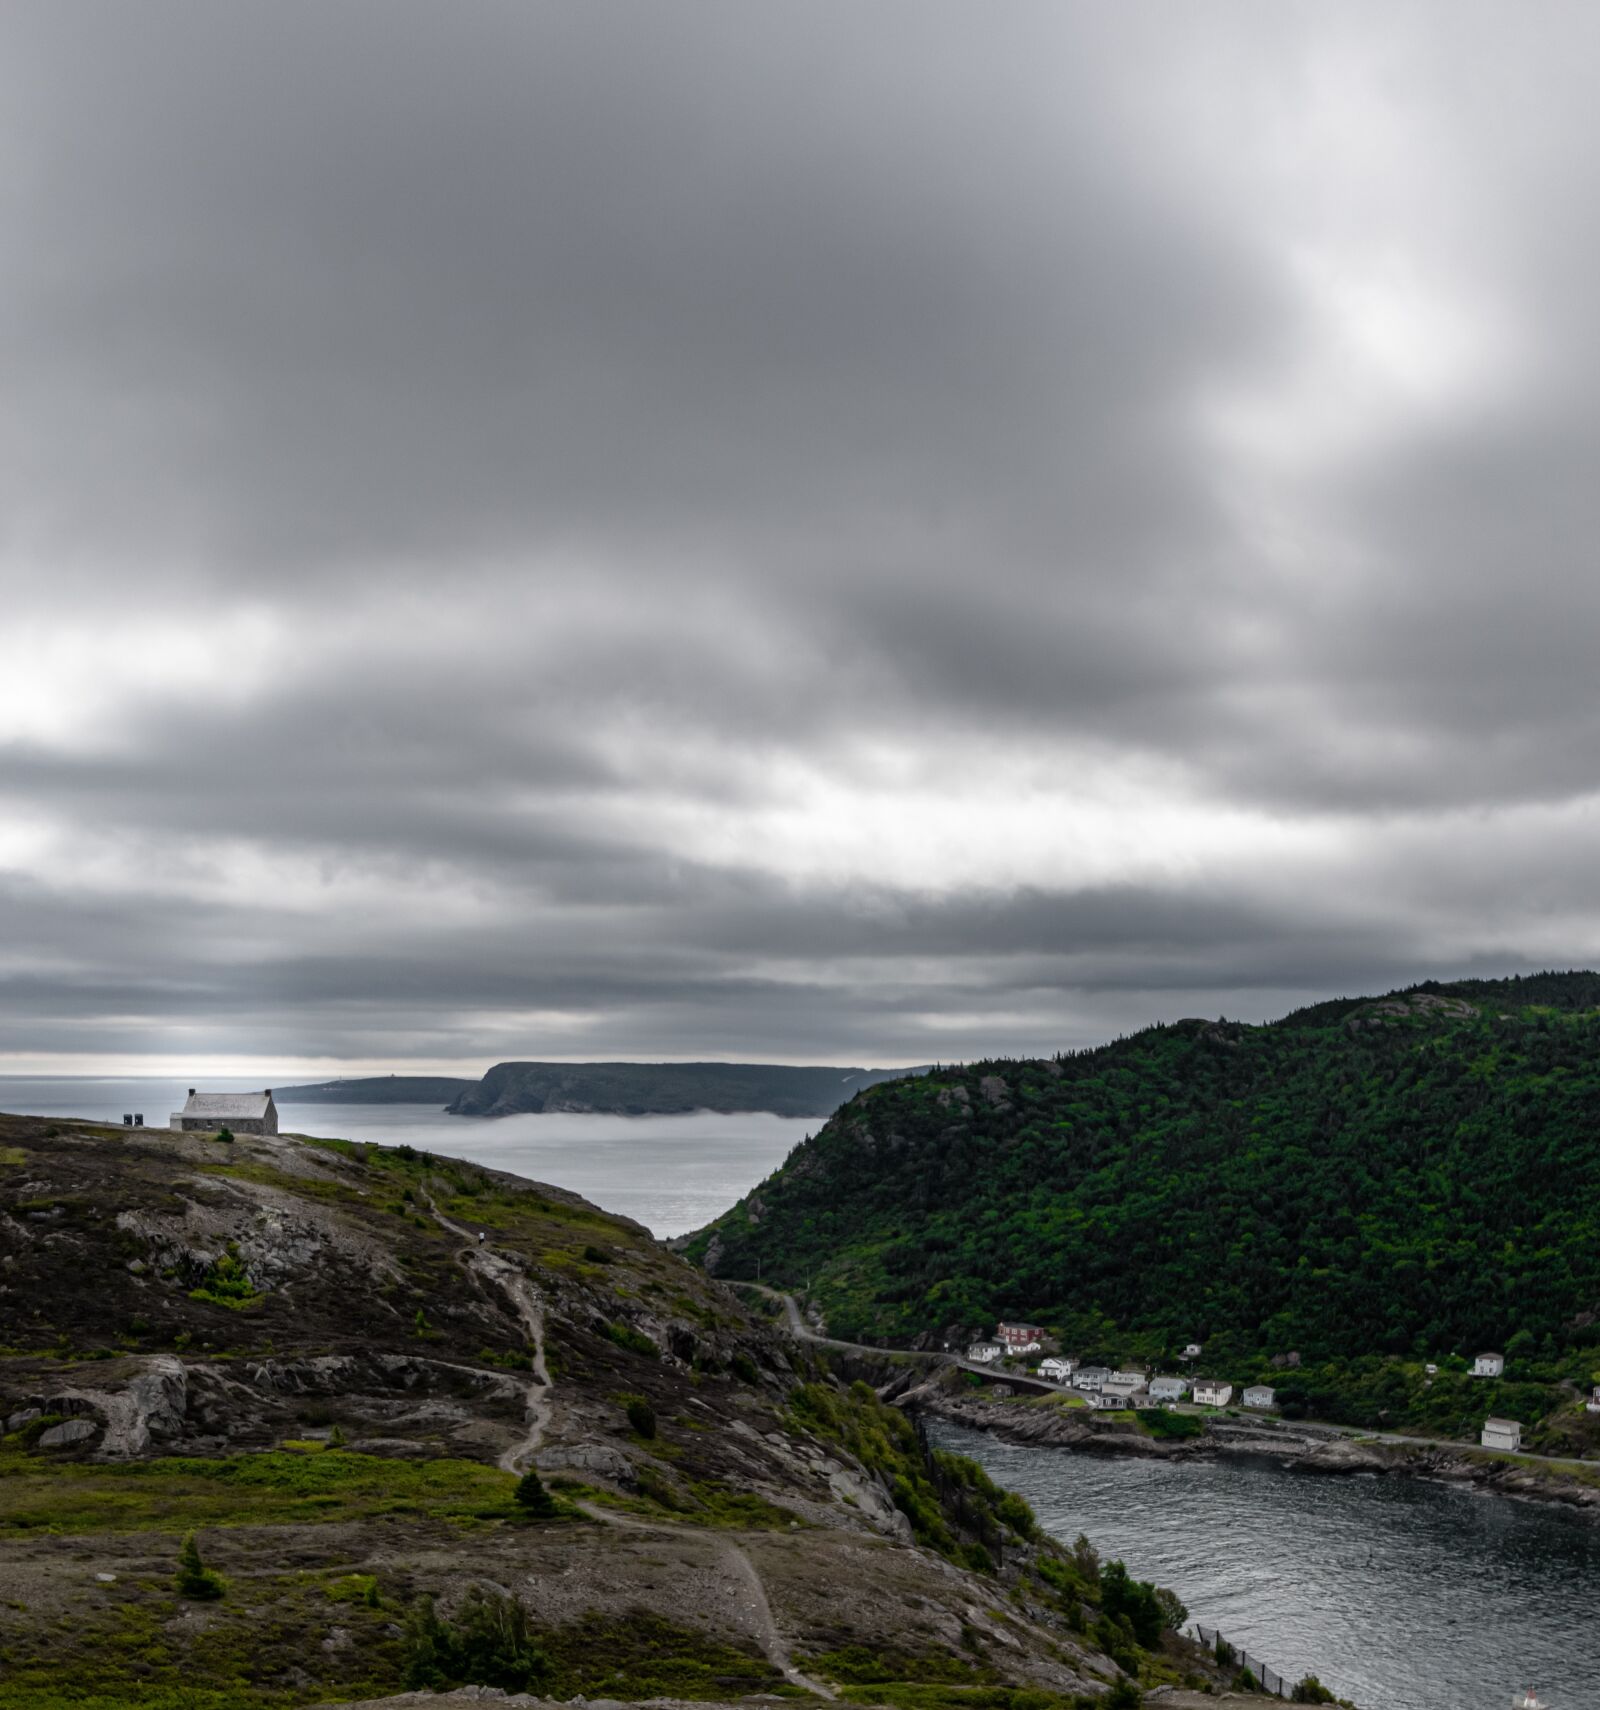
x=742 y=1509
x=12 y=1155
x=635 y=1341
x=177 y=1493
x=865 y=1665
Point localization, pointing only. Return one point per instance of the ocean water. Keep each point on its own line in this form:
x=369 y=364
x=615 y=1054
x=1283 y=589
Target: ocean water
x=1396 y=1593
x=670 y=1173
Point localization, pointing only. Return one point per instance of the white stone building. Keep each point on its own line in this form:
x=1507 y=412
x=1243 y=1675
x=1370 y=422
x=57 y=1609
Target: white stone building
x=239 y=1113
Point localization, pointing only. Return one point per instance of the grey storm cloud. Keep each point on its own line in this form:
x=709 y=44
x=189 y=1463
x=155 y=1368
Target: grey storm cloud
x=793 y=531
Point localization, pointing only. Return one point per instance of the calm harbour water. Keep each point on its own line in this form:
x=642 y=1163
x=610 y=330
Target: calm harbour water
x=1398 y=1594
x=670 y=1173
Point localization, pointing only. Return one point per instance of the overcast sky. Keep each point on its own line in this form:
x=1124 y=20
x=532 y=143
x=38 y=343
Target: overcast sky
x=833 y=532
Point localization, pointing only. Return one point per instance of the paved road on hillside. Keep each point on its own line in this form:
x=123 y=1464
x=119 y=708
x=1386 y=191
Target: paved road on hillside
x=799 y=1328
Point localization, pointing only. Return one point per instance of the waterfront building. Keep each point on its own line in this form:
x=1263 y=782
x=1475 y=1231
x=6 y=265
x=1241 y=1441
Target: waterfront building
x=1502 y=1434
x=1212 y=1392
x=1169 y=1388
x=1124 y=1383
x=1057 y=1367
x=1091 y=1378
x=1260 y=1395
x=984 y=1353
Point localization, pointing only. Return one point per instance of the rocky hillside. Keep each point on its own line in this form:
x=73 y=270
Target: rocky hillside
x=665 y=1089
x=335 y=1366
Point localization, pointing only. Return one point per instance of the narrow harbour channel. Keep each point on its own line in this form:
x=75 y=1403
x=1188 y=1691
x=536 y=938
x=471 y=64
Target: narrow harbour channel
x=1397 y=1593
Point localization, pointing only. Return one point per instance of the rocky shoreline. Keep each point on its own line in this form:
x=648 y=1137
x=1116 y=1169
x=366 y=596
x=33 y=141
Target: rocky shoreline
x=1299 y=1448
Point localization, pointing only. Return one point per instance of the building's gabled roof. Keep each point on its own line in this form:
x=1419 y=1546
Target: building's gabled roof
x=1491 y=1355
x=240 y=1106
x=1502 y=1424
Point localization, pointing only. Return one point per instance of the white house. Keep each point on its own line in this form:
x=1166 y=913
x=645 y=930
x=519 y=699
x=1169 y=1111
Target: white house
x=1260 y=1395
x=1058 y=1368
x=239 y=1113
x=1191 y=1352
x=1109 y=1402
x=1431 y=1369
x=1168 y=1388
x=1091 y=1378
x=1488 y=1365
x=1212 y=1392
x=1125 y=1382
x=1592 y=1405
x=984 y=1353
x=1502 y=1434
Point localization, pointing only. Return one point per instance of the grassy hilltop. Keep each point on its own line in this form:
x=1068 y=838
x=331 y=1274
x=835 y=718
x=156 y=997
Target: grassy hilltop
x=1366 y=1184
x=300 y=1351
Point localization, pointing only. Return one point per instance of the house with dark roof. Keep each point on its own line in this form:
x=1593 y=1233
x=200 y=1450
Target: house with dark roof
x=239 y=1113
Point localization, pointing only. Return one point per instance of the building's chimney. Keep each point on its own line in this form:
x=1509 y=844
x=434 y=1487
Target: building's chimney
x=267 y=1093
x=191 y=1092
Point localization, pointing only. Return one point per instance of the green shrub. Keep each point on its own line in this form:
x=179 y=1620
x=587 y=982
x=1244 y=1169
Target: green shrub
x=1310 y=1690
x=635 y=1341
x=641 y=1416
x=194 y=1579
x=532 y=1497
x=225 y=1135
x=487 y=1644
x=744 y=1368
x=227 y=1283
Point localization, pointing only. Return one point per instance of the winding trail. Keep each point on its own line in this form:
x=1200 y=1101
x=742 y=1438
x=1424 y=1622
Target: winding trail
x=511 y=1280
x=737 y=1563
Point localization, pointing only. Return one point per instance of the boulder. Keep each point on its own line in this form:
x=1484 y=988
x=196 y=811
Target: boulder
x=67 y=1433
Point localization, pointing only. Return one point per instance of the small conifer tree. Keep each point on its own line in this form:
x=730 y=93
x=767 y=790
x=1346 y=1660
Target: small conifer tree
x=194 y=1579
x=532 y=1497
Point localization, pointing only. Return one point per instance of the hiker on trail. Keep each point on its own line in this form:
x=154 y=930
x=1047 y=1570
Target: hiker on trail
x=482 y=1237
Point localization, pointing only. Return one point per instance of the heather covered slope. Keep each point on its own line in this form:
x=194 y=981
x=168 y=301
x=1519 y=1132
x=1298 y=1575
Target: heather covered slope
x=301 y=1351
x=1365 y=1179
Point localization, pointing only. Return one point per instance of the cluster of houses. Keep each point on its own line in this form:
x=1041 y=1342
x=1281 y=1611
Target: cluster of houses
x=1100 y=1387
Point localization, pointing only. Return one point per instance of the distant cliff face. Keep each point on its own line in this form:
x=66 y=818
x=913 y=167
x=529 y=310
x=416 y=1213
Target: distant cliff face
x=665 y=1089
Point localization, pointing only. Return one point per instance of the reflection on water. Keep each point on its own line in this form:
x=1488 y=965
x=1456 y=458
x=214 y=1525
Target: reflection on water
x=1398 y=1594
x=670 y=1173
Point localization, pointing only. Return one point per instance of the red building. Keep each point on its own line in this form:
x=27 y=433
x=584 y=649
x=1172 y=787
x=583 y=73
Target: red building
x=1019 y=1338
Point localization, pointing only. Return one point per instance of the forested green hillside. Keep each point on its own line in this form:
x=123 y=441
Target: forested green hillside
x=1411 y=1176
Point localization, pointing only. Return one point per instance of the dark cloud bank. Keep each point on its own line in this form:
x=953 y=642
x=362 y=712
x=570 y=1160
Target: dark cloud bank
x=794 y=532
